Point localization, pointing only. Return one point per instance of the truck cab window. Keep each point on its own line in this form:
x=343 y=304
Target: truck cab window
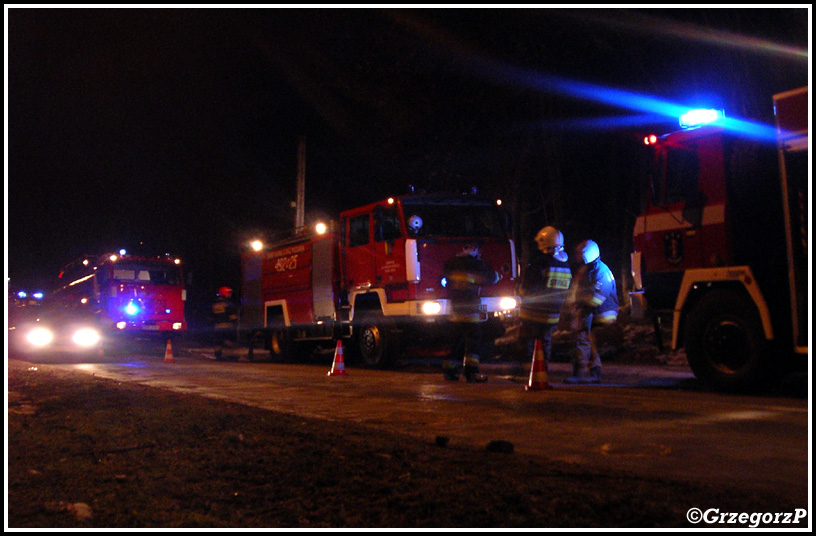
x=388 y=225
x=682 y=171
x=476 y=221
x=358 y=230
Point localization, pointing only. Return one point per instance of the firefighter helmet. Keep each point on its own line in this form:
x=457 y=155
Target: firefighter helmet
x=225 y=292
x=551 y=241
x=588 y=251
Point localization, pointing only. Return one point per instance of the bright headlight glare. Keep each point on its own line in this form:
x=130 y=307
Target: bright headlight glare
x=431 y=308
x=86 y=337
x=506 y=304
x=40 y=337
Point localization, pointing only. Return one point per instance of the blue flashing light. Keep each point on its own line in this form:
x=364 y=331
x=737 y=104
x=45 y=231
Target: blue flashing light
x=444 y=282
x=648 y=106
x=38 y=295
x=22 y=294
x=700 y=117
x=132 y=308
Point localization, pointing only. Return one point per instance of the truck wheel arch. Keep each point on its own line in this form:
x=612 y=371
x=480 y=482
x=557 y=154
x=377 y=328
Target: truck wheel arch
x=724 y=341
x=696 y=284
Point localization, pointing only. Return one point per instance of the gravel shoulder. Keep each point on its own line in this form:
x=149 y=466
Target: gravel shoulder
x=85 y=452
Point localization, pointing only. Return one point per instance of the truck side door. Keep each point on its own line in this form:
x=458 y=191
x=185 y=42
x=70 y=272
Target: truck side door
x=389 y=247
x=674 y=218
x=359 y=251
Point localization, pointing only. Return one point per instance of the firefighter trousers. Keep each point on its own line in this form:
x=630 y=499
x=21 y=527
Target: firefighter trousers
x=586 y=356
x=465 y=353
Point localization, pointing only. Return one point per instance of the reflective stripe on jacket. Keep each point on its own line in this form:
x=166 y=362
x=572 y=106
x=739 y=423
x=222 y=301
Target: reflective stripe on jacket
x=545 y=285
x=595 y=289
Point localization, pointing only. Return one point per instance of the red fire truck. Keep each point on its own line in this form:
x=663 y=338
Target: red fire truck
x=722 y=245
x=374 y=277
x=114 y=295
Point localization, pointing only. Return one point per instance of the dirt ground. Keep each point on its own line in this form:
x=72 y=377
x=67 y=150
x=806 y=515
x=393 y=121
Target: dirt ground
x=85 y=452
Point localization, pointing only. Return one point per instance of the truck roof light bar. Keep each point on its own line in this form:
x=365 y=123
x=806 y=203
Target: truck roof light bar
x=699 y=117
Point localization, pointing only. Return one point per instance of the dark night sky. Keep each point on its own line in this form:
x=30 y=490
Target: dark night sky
x=178 y=129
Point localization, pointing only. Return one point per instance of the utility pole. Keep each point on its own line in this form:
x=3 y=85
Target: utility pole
x=301 y=185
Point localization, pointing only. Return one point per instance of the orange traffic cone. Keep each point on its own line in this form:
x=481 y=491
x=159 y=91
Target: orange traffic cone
x=538 y=371
x=338 y=365
x=168 y=353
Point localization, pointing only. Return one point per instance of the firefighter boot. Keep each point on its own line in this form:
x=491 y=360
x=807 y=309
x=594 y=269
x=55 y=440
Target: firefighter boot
x=472 y=374
x=594 y=375
x=450 y=370
x=475 y=377
x=580 y=374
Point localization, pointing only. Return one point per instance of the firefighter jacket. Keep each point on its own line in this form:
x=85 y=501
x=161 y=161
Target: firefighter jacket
x=544 y=287
x=595 y=293
x=465 y=275
x=225 y=314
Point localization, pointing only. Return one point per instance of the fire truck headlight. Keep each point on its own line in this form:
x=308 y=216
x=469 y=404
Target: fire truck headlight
x=507 y=304
x=40 y=337
x=431 y=308
x=86 y=337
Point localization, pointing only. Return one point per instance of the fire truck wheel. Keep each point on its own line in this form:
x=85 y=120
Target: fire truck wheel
x=256 y=345
x=724 y=341
x=374 y=341
x=279 y=346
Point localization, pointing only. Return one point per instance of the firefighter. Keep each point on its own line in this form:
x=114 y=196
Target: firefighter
x=225 y=316
x=544 y=286
x=464 y=276
x=593 y=300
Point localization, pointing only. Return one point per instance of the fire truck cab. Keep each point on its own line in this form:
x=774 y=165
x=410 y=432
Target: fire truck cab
x=101 y=299
x=722 y=245
x=128 y=294
x=374 y=277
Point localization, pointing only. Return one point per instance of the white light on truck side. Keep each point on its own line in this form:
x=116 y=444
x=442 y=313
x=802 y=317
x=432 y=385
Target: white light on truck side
x=431 y=308
x=507 y=304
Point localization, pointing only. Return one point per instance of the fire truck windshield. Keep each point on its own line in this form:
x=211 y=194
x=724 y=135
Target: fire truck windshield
x=153 y=273
x=676 y=178
x=465 y=220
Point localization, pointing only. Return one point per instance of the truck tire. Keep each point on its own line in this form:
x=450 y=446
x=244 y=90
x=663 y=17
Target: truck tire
x=374 y=341
x=279 y=345
x=256 y=347
x=725 y=344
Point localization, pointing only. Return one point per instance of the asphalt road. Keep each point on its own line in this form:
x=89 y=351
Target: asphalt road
x=648 y=420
